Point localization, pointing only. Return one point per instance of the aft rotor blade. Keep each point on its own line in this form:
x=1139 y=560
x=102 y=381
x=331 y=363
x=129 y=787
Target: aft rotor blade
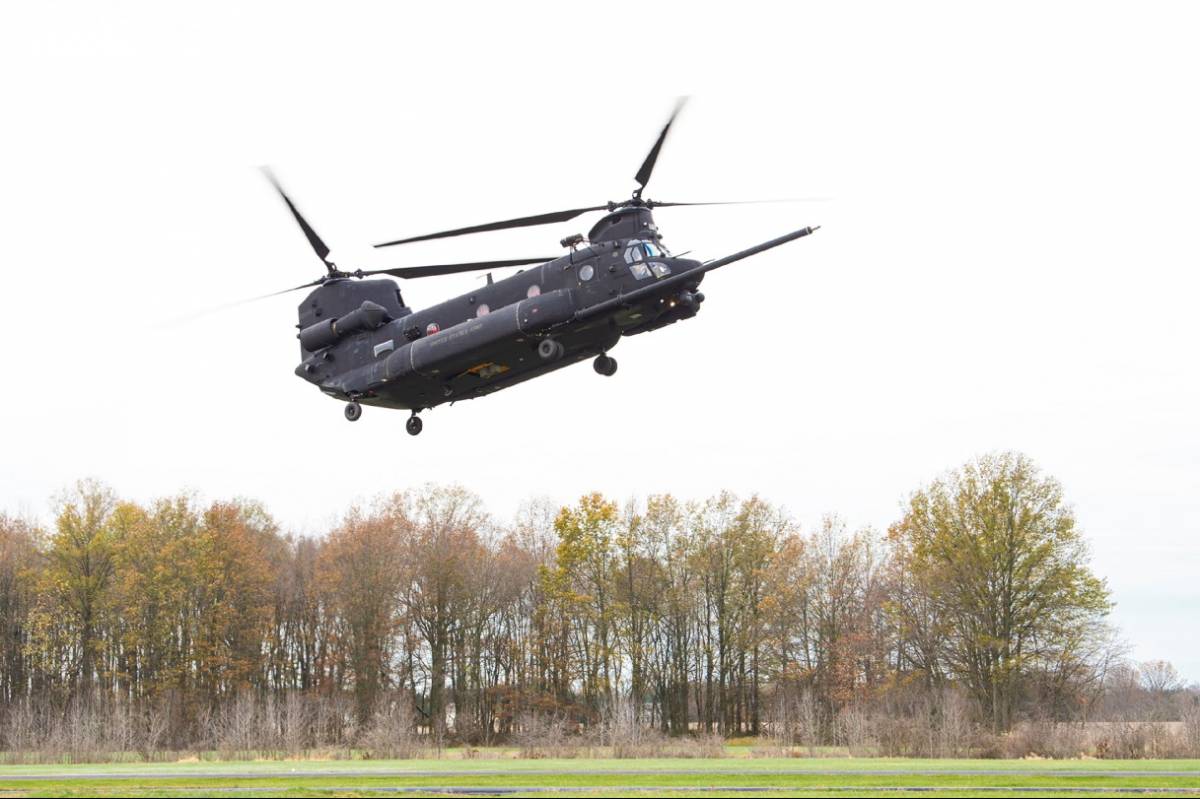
x=451 y=269
x=285 y=291
x=314 y=240
x=643 y=174
x=402 y=272
x=230 y=305
x=521 y=221
x=266 y=296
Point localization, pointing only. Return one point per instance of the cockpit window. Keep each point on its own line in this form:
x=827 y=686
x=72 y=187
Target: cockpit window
x=639 y=250
x=639 y=271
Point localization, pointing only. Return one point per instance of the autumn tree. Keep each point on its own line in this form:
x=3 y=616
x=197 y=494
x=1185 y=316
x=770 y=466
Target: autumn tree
x=18 y=568
x=996 y=548
x=180 y=620
x=235 y=572
x=537 y=650
x=73 y=588
x=144 y=603
x=583 y=584
x=442 y=552
x=301 y=638
x=362 y=570
x=844 y=600
x=673 y=640
x=713 y=557
x=637 y=583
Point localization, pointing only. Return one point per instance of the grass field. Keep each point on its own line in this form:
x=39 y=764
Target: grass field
x=609 y=778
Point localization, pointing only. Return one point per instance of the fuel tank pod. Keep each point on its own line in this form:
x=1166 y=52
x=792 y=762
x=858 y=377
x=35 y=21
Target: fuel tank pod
x=457 y=346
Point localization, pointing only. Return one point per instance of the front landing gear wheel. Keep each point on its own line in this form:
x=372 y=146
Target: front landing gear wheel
x=605 y=365
x=353 y=411
x=414 y=425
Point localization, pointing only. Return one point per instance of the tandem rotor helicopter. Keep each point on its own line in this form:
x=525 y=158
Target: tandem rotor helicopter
x=361 y=344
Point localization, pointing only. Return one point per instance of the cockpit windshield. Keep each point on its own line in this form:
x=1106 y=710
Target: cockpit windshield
x=639 y=250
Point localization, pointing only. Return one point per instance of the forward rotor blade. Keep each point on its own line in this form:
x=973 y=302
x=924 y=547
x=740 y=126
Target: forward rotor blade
x=522 y=221
x=643 y=174
x=451 y=269
x=657 y=204
x=314 y=240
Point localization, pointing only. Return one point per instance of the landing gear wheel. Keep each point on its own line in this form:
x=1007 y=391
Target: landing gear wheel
x=605 y=365
x=414 y=425
x=353 y=411
x=550 y=350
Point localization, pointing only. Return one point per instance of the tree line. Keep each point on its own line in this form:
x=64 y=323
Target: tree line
x=718 y=616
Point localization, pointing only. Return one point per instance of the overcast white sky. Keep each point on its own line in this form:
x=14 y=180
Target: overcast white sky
x=1009 y=262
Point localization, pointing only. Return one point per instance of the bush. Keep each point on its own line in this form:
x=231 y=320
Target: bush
x=391 y=733
x=1049 y=739
x=792 y=719
x=856 y=732
x=623 y=733
x=541 y=735
x=1190 y=733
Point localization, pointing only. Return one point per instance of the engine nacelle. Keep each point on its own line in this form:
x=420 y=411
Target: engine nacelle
x=368 y=316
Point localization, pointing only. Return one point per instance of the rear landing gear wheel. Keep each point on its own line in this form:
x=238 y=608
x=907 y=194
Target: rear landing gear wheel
x=353 y=411
x=605 y=365
x=414 y=425
x=550 y=350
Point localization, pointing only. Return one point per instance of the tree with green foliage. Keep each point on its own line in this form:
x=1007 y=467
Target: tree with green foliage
x=996 y=548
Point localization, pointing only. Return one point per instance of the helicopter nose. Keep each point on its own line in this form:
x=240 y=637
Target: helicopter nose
x=682 y=265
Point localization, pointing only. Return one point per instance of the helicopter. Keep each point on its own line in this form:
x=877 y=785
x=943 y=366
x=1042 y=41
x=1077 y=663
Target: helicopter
x=360 y=343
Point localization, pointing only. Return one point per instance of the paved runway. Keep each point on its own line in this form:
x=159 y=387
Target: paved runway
x=252 y=773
